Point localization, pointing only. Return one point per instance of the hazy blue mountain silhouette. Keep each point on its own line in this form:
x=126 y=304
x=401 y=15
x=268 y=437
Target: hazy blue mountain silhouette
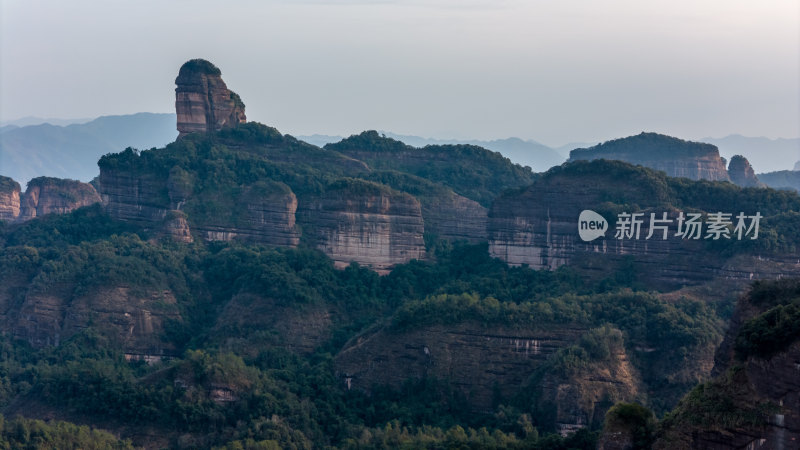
x=72 y=151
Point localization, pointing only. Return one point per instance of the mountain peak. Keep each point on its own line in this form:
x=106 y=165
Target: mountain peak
x=203 y=102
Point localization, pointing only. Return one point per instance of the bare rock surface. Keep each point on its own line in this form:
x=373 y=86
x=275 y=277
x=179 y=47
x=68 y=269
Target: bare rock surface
x=202 y=100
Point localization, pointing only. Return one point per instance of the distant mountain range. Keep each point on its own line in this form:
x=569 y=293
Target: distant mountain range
x=72 y=151
x=764 y=154
x=538 y=157
x=70 y=148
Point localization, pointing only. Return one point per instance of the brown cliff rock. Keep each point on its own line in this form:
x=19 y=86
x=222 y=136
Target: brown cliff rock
x=265 y=213
x=177 y=228
x=754 y=400
x=9 y=199
x=476 y=359
x=582 y=398
x=676 y=157
x=455 y=217
x=446 y=214
x=538 y=226
x=262 y=212
x=742 y=173
x=248 y=323
x=368 y=223
x=202 y=100
x=54 y=195
x=136 y=320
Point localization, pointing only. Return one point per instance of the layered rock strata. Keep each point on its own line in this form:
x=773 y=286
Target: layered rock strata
x=676 y=157
x=266 y=214
x=44 y=195
x=202 y=100
x=539 y=226
x=9 y=199
x=53 y=195
x=454 y=217
x=761 y=389
x=364 y=222
x=136 y=319
x=481 y=362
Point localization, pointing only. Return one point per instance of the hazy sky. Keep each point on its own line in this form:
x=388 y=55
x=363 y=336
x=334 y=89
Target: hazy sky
x=555 y=71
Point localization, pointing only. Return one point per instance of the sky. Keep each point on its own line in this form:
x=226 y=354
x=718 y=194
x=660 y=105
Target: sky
x=555 y=71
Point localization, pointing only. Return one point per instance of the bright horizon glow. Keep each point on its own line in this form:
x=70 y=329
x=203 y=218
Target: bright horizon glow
x=554 y=72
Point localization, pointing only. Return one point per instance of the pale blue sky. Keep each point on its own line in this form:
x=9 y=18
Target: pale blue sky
x=552 y=70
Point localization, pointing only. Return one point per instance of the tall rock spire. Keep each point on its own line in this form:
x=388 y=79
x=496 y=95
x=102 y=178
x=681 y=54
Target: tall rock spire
x=203 y=102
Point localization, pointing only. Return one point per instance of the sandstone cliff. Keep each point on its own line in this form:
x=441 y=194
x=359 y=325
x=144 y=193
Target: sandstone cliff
x=580 y=398
x=248 y=323
x=538 y=226
x=676 y=157
x=754 y=400
x=202 y=100
x=44 y=195
x=446 y=214
x=742 y=173
x=476 y=359
x=365 y=222
x=9 y=199
x=133 y=320
x=53 y=195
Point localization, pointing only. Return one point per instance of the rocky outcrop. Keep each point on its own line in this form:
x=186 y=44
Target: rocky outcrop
x=264 y=212
x=134 y=196
x=581 y=399
x=742 y=173
x=54 y=195
x=44 y=195
x=177 y=228
x=365 y=222
x=9 y=199
x=454 y=217
x=248 y=323
x=135 y=319
x=676 y=157
x=202 y=100
x=446 y=214
x=538 y=226
x=754 y=400
x=481 y=362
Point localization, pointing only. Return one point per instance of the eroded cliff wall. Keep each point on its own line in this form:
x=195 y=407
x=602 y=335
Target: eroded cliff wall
x=676 y=157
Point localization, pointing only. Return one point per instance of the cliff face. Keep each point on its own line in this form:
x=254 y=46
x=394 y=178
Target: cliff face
x=539 y=226
x=248 y=323
x=676 y=157
x=476 y=359
x=44 y=195
x=202 y=100
x=53 y=195
x=454 y=217
x=264 y=212
x=581 y=399
x=742 y=173
x=135 y=320
x=754 y=399
x=9 y=199
x=364 y=222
